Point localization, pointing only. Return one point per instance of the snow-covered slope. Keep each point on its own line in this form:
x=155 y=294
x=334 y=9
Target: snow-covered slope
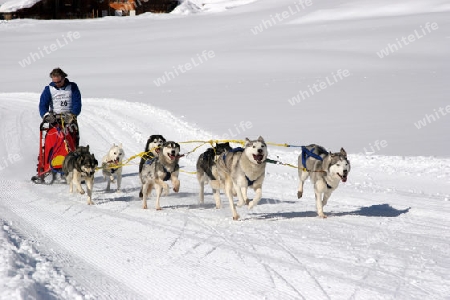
x=338 y=73
x=386 y=235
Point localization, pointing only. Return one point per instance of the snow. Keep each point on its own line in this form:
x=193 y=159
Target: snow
x=248 y=68
x=14 y=5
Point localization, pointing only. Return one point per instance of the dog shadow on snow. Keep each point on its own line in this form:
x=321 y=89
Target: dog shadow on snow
x=376 y=210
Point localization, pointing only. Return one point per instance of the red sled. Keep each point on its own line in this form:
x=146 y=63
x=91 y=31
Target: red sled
x=56 y=141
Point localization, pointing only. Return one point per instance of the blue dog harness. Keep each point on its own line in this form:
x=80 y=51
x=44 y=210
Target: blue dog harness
x=307 y=154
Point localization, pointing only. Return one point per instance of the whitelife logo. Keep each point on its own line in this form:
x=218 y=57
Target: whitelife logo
x=429 y=118
x=405 y=41
x=181 y=69
x=46 y=50
x=319 y=86
x=280 y=17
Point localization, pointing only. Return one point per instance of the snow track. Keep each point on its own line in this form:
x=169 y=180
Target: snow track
x=379 y=242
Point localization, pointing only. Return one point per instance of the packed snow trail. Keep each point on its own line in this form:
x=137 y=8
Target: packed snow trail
x=386 y=235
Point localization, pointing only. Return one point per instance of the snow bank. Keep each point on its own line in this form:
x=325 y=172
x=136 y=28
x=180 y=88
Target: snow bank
x=373 y=9
x=186 y=8
x=25 y=274
x=14 y=5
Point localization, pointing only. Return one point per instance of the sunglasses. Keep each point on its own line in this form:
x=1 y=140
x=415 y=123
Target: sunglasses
x=59 y=82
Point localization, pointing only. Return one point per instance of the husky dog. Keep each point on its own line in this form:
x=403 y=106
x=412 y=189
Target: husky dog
x=80 y=165
x=152 y=149
x=159 y=169
x=207 y=171
x=112 y=165
x=242 y=168
x=326 y=170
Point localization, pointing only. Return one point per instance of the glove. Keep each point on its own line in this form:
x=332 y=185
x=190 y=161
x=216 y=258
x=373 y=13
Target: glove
x=49 y=117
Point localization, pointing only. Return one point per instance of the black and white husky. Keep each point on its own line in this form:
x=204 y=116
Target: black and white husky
x=207 y=171
x=156 y=171
x=152 y=149
x=326 y=171
x=78 y=166
x=243 y=169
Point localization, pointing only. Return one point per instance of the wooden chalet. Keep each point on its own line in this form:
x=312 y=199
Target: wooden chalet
x=82 y=9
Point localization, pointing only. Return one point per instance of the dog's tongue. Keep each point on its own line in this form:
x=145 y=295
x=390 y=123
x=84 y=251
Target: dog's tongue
x=172 y=157
x=344 y=179
x=157 y=150
x=258 y=158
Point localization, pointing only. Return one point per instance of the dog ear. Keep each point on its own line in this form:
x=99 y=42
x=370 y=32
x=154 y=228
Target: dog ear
x=343 y=153
x=120 y=145
x=87 y=148
x=247 y=142
x=260 y=139
x=146 y=145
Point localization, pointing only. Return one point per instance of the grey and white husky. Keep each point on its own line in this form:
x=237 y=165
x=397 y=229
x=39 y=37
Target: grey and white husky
x=207 y=171
x=156 y=171
x=325 y=169
x=78 y=166
x=241 y=169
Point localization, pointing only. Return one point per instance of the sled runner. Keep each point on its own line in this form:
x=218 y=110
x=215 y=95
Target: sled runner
x=56 y=140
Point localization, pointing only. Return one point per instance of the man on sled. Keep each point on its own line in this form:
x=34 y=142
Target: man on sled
x=59 y=106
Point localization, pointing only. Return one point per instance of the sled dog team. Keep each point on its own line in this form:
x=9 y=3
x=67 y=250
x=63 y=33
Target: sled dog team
x=233 y=170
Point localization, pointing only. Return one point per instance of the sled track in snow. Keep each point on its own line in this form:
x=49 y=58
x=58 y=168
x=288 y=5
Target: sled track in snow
x=280 y=249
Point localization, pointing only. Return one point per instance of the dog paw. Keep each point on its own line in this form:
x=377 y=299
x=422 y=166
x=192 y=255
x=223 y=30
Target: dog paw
x=144 y=206
x=250 y=205
x=176 y=190
x=299 y=195
x=159 y=208
x=323 y=216
x=90 y=202
x=236 y=217
x=82 y=192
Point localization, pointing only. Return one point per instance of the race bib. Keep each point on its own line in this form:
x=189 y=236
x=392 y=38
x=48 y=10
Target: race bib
x=62 y=99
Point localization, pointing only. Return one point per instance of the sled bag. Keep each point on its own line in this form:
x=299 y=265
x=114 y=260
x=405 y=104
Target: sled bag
x=57 y=145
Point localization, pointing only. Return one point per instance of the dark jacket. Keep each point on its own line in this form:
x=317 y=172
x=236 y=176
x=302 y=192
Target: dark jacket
x=46 y=102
